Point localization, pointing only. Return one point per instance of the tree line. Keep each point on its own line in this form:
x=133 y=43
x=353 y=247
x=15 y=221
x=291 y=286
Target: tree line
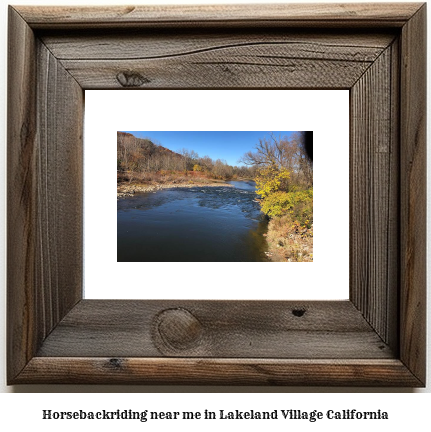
x=282 y=158
x=137 y=156
x=284 y=184
x=284 y=179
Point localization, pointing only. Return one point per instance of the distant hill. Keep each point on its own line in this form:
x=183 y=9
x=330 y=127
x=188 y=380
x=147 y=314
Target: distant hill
x=146 y=147
x=140 y=159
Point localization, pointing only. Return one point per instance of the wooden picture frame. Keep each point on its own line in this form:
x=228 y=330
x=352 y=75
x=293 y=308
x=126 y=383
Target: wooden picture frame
x=376 y=338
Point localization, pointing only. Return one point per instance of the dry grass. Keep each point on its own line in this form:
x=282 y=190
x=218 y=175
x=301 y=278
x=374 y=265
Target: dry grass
x=129 y=184
x=288 y=241
x=164 y=177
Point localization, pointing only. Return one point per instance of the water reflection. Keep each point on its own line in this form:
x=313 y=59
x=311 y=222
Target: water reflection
x=202 y=224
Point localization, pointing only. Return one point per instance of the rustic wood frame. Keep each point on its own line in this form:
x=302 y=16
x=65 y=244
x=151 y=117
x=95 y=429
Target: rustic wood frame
x=376 y=338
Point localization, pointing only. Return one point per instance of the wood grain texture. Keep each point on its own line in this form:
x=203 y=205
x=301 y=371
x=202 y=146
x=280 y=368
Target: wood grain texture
x=374 y=195
x=392 y=306
x=300 y=14
x=217 y=371
x=211 y=60
x=55 y=337
x=241 y=329
x=229 y=69
x=197 y=59
x=21 y=194
x=59 y=171
x=413 y=194
x=44 y=193
x=140 y=44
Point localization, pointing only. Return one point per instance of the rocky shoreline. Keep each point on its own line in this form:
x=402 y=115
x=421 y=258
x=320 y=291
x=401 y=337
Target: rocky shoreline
x=128 y=190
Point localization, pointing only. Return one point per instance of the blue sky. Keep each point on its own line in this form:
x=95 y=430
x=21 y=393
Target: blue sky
x=229 y=146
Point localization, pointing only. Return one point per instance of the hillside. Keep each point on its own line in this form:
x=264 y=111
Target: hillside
x=144 y=147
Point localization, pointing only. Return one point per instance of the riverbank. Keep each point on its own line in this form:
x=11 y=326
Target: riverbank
x=129 y=189
x=221 y=223
x=289 y=241
x=285 y=241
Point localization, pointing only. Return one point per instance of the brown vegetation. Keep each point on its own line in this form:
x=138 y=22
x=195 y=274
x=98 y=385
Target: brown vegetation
x=148 y=182
x=143 y=161
x=144 y=166
x=284 y=184
x=280 y=166
x=289 y=241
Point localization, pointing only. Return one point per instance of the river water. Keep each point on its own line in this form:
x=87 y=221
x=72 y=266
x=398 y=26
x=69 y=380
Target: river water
x=205 y=224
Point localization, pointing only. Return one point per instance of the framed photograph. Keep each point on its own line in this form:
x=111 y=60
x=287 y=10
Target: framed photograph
x=188 y=234
x=376 y=337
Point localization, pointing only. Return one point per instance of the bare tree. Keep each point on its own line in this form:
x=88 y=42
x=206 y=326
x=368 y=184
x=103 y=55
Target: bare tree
x=283 y=153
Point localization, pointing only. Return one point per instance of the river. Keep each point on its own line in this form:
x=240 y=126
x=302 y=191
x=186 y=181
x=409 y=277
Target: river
x=202 y=224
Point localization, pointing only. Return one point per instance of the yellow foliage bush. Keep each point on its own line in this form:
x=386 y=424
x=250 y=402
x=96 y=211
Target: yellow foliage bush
x=299 y=205
x=271 y=179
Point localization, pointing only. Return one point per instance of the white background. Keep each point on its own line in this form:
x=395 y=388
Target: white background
x=24 y=410
x=324 y=112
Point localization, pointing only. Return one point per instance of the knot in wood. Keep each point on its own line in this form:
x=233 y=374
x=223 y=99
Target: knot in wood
x=178 y=329
x=298 y=312
x=115 y=363
x=131 y=79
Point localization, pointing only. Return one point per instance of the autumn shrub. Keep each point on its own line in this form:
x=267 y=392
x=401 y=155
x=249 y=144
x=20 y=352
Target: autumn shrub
x=298 y=205
x=122 y=177
x=270 y=180
x=289 y=241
